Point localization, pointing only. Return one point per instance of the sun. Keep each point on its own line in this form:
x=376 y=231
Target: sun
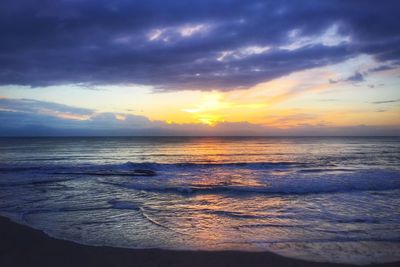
x=205 y=112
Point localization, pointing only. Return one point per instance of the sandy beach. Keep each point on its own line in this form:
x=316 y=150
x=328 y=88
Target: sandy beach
x=23 y=246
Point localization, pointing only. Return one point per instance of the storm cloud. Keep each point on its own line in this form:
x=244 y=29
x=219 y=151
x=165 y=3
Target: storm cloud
x=178 y=45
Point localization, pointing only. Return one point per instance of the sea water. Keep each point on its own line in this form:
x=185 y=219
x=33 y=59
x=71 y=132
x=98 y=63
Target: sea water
x=334 y=199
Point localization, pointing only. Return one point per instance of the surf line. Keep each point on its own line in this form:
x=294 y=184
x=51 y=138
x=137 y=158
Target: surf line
x=155 y=222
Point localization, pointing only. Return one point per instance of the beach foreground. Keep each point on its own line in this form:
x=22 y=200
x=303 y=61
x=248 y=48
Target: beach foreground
x=23 y=246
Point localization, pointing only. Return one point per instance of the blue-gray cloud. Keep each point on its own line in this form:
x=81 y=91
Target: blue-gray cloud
x=192 y=44
x=356 y=77
x=36 y=106
x=20 y=113
x=386 y=101
x=383 y=68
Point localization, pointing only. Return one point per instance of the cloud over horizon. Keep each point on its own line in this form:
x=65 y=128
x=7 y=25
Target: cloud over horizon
x=27 y=117
x=180 y=45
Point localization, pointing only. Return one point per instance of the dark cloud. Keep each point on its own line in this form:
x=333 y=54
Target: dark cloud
x=331 y=81
x=356 y=77
x=175 y=45
x=386 y=101
x=383 y=68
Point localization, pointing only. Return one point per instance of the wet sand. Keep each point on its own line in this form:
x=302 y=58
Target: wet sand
x=23 y=246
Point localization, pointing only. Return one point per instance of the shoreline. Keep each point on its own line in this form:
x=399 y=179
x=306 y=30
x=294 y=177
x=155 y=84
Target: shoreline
x=24 y=246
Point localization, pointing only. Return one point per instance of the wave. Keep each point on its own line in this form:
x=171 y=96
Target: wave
x=136 y=172
x=185 y=190
x=371 y=180
x=129 y=205
x=124 y=205
x=149 y=166
x=393 y=239
x=53 y=173
x=34 y=182
x=19 y=168
x=183 y=178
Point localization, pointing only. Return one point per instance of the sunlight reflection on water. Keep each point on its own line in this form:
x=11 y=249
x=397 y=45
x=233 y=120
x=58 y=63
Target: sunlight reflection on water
x=323 y=199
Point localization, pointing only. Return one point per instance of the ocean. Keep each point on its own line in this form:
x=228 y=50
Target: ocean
x=334 y=199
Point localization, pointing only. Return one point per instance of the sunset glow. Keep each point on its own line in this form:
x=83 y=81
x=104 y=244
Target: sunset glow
x=295 y=80
x=201 y=133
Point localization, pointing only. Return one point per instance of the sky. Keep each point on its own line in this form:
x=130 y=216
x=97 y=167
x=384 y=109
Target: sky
x=209 y=67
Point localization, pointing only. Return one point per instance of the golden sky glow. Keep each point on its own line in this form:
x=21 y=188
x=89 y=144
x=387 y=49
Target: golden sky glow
x=170 y=68
x=301 y=98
